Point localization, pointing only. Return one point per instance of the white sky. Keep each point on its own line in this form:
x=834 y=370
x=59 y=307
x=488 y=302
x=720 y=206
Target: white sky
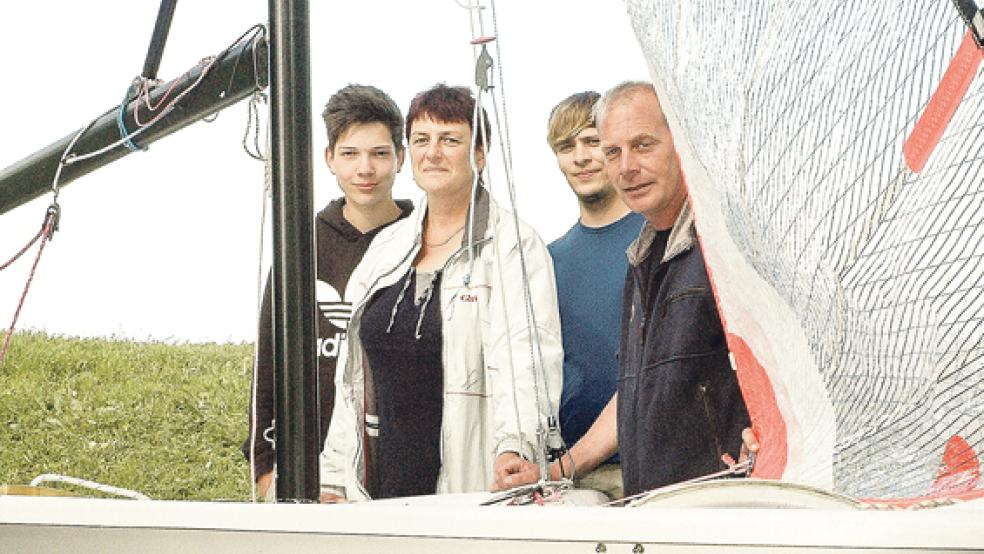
x=164 y=244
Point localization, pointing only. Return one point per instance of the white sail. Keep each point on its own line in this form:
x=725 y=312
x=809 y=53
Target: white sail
x=849 y=284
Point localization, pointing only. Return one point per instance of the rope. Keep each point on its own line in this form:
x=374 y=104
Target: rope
x=544 y=402
x=478 y=130
x=253 y=116
x=131 y=92
x=145 y=94
x=44 y=234
x=253 y=124
x=206 y=64
x=510 y=181
x=740 y=468
x=507 y=151
x=48 y=228
x=26 y=246
x=108 y=489
x=550 y=491
x=477 y=121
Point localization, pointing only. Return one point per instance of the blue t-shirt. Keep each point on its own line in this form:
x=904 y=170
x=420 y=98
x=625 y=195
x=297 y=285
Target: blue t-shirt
x=590 y=265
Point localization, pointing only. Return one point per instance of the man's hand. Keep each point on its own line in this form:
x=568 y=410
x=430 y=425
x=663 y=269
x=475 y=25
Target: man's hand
x=749 y=444
x=331 y=498
x=511 y=470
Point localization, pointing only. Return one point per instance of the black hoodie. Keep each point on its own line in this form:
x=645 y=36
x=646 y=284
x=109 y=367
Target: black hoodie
x=340 y=249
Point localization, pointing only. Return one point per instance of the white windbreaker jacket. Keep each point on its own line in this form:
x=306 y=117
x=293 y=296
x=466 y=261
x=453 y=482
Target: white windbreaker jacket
x=495 y=397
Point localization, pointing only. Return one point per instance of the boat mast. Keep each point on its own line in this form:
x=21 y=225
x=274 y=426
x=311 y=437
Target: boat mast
x=294 y=316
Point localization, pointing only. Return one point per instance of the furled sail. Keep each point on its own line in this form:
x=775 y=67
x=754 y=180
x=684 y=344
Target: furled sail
x=848 y=274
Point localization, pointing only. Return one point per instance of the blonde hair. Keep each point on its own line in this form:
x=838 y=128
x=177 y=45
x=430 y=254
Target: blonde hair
x=571 y=116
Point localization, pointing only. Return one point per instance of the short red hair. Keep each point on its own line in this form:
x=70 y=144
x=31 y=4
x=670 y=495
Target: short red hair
x=447 y=105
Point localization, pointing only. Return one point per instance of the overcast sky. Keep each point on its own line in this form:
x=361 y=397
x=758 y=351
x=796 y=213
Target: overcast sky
x=164 y=244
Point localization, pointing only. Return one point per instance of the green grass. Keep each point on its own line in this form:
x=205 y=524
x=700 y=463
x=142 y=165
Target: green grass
x=162 y=419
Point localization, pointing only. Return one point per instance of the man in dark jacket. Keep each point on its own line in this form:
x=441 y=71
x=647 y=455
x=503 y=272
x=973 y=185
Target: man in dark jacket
x=365 y=152
x=678 y=408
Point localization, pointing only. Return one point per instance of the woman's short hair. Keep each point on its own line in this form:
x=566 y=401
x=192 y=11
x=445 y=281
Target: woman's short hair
x=448 y=105
x=358 y=104
x=571 y=116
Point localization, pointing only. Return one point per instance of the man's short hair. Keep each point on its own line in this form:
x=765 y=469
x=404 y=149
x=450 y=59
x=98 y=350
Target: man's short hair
x=360 y=104
x=448 y=105
x=617 y=92
x=571 y=116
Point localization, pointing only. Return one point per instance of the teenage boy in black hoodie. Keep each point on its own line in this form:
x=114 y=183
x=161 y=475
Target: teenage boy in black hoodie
x=365 y=152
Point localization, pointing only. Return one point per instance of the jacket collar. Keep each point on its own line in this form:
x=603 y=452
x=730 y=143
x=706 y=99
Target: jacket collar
x=682 y=238
x=480 y=225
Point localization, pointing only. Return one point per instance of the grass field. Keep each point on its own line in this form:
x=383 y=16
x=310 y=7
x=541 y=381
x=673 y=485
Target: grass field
x=163 y=419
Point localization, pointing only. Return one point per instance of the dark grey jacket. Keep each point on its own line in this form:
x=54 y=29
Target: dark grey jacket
x=679 y=405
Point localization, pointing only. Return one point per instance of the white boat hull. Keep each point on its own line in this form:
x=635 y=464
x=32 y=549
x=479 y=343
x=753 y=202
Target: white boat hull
x=454 y=522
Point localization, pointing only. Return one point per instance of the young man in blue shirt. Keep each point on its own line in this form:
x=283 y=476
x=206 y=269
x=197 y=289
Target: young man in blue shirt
x=590 y=264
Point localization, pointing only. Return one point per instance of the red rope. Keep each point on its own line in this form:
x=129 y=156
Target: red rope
x=26 y=246
x=44 y=234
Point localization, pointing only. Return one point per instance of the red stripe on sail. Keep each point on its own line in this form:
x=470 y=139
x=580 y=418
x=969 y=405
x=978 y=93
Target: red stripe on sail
x=960 y=470
x=767 y=420
x=756 y=388
x=942 y=105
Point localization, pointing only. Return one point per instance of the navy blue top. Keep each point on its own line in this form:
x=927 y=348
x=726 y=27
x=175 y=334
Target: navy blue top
x=590 y=266
x=402 y=336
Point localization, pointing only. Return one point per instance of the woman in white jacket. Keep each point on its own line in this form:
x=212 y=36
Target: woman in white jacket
x=446 y=375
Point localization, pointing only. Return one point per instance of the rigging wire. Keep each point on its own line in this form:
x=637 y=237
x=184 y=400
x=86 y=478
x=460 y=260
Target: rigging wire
x=146 y=86
x=44 y=235
x=141 y=88
x=259 y=31
x=545 y=438
x=739 y=469
x=478 y=126
x=535 y=343
x=254 y=122
x=27 y=246
x=131 y=92
x=48 y=228
x=53 y=213
x=206 y=66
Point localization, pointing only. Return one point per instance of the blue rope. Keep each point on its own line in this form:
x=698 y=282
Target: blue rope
x=120 y=122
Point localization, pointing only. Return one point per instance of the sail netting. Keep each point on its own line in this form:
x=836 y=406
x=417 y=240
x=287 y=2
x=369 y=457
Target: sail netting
x=851 y=286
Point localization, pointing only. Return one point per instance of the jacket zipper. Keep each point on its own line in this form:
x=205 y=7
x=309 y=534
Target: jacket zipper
x=709 y=413
x=643 y=320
